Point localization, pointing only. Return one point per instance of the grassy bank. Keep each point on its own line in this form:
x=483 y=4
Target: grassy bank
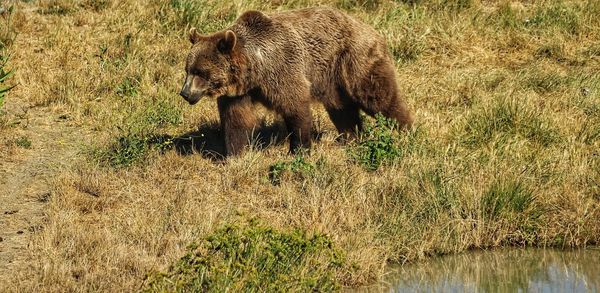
x=505 y=150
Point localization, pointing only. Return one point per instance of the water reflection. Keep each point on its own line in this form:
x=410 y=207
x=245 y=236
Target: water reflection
x=515 y=270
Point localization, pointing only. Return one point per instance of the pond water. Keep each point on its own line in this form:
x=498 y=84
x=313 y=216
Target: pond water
x=508 y=270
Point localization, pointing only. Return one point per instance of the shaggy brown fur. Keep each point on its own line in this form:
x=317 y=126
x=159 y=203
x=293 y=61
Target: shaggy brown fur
x=284 y=61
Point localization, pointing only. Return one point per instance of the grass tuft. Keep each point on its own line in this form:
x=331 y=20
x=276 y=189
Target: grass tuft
x=252 y=257
x=57 y=7
x=506 y=17
x=510 y=205
x=298 y=167
x=558 y=15
x=505 y=120
x=506 y=198
x=96 y=5
x=23 y=142
x=545 y=82
x=128 y=88
x=161 y=114
x=407 y=49
x=550 y=51
x=358 y=4
x=593 y=50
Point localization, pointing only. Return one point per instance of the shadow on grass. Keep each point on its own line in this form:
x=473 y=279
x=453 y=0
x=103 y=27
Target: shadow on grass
x=208 y=140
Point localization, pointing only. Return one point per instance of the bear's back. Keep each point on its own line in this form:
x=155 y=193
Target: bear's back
x=319 y=41
x=312 y=25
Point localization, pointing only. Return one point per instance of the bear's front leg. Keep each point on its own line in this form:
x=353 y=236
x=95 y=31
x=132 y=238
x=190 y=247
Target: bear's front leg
x=299 y=123
x=237 y=122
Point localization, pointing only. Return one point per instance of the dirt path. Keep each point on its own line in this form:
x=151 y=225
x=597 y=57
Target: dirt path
x=25 y=178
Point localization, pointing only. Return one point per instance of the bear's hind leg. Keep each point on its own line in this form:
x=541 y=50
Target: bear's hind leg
x=237 y=122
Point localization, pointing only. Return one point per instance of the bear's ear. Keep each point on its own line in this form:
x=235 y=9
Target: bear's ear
x=227 y=43
x=194 y=36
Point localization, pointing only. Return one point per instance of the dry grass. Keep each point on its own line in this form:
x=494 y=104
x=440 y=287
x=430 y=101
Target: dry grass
x=505 y=150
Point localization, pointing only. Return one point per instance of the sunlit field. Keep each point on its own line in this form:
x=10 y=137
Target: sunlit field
x=505 y=149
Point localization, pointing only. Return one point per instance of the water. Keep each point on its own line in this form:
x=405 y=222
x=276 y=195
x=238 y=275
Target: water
x=514 y=270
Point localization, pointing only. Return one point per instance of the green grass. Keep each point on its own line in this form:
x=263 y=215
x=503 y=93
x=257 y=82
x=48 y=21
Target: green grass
x=124 y=151
x=139 y=135
x=298 y=167
x=128 y=88
x=505 y=120
x=23 y=142
x=206 y=15
x=560 y=16
x=551 y=51
x=407 y=49
x=512 y=204
x=506 y=198
x=252 y=257
x=545 y=82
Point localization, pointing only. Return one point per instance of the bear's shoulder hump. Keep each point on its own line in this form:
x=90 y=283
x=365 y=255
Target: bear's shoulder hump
x=254 y=18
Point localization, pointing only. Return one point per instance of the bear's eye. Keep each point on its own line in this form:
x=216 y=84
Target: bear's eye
x=215 y=83
x=201 y=73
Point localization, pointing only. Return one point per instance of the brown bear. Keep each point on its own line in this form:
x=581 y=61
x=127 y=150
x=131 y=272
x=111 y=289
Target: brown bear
x=284 y=61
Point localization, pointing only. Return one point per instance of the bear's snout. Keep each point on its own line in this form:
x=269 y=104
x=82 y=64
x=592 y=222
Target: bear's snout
x=185 y=94
x=190 y=97
x=189 y=92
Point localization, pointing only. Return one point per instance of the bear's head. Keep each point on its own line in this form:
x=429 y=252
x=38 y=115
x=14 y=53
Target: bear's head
x=212 y=66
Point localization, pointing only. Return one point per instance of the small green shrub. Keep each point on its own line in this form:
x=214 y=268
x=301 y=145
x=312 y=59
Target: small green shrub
x=298 y=167
x=251 y=257
x=377 y=144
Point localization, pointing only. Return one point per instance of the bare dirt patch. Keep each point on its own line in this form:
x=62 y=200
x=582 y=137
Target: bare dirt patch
x=39 y=146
